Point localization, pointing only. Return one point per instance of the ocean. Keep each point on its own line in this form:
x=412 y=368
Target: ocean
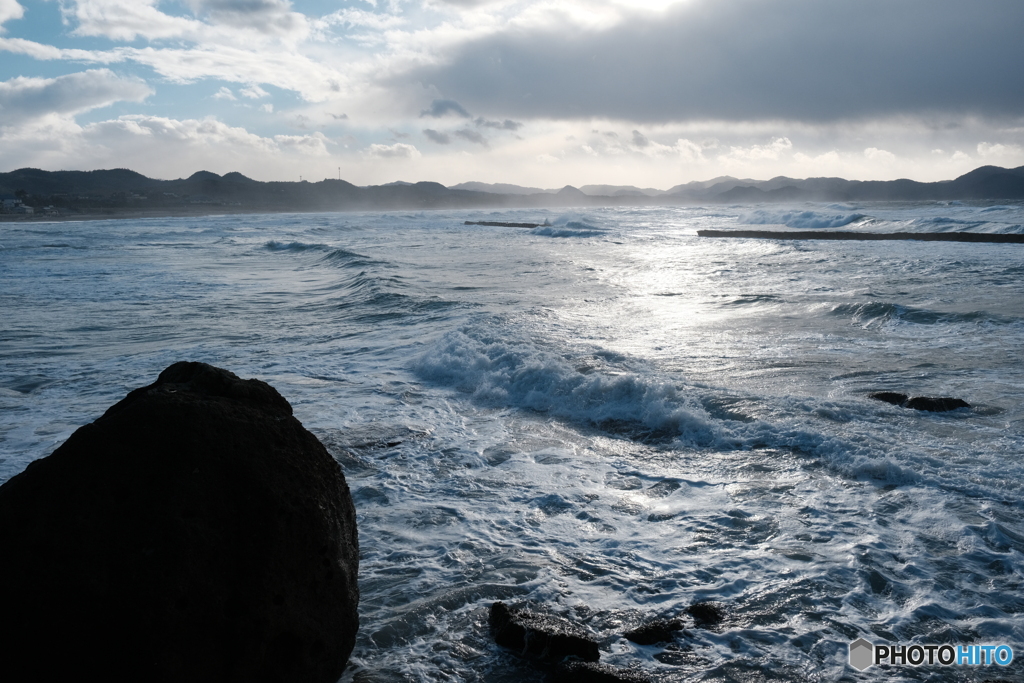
x=607 y=417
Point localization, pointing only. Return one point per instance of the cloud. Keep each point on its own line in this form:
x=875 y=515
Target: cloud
x=439 y=138
x=273 y=17
x=126 y=20
x=472 y=136
x=507 y=124
x=689 y=150
x=353 y=18
x=220 y=20
x=771 y=151
x=24 y=99
x=1008 y=153
x=10 y=9
x=224 y=94
x=314 y=144
x=254 y=92
x=144 y=130
x=639 y=140
x=286 y=70
x=440 y=108
x=744 y=60
x=875 y=154
x=399 y=150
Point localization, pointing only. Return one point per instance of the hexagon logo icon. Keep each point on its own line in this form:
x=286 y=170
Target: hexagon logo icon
x=861 y=654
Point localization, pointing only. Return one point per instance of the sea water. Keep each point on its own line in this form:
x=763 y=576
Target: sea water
x=607 y=416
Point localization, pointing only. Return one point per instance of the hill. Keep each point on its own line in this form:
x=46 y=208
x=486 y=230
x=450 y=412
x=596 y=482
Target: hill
x=120 y=191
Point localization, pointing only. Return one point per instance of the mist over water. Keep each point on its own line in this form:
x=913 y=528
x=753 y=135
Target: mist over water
x=607 y=414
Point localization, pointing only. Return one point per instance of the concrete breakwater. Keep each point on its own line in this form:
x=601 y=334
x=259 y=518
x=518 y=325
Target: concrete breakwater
x=848 y=235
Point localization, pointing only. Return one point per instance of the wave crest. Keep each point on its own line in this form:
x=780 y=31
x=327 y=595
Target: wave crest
x=805 y=220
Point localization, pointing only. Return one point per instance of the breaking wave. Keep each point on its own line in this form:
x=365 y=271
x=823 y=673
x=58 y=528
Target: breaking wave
x=805 y=220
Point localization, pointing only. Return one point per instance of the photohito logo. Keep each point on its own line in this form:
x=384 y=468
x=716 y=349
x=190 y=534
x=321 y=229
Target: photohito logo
x=863 y=654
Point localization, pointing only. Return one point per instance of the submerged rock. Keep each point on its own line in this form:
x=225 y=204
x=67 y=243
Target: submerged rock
x=659 y=631
x=194 y=532
x=592 y=672
x=937 y=405
x=933 y=404
x=540 y=636
x=706 y=613
x=892 y=397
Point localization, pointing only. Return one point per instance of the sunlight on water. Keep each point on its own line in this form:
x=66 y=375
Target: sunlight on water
x=607 y=415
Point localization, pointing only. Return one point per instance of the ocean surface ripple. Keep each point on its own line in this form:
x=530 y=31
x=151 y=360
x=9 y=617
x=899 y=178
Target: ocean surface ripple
x=606 y=414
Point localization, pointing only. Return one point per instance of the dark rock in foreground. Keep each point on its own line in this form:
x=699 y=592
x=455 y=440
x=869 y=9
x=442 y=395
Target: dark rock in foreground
x=540 y=636
x=935 y=405
x=592 y=672
x=195 y=532
x=659 y=631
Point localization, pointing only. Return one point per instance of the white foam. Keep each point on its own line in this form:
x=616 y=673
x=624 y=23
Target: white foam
x=804 y=220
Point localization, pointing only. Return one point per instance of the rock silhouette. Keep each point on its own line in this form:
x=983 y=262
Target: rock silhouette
x=194 y=532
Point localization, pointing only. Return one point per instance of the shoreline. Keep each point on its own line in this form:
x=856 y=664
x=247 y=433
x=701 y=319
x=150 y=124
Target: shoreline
x=117 y=215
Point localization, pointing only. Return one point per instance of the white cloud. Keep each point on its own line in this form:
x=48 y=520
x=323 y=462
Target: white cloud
x=689 y=150
x=1000 y=152
x=254 y=92
x=399 y=150
x=225 y=21
x=268 y=108
x=314 y=81
x=27 y=47
x=24 y=99
x=355 y=18
x=125 y=20
x=208 y=132
x=880 y=155
x=224 y=94
x=772 y=151
x=10 y=9
x=314 y=144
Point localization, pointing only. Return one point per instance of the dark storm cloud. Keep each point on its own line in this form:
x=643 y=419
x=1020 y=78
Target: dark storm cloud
x=752 y=60
x=439 y=108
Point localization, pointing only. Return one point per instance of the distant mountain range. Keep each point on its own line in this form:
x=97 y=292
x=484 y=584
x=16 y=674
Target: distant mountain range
x=118 y=190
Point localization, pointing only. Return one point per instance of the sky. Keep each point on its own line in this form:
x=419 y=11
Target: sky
x=651 y=93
